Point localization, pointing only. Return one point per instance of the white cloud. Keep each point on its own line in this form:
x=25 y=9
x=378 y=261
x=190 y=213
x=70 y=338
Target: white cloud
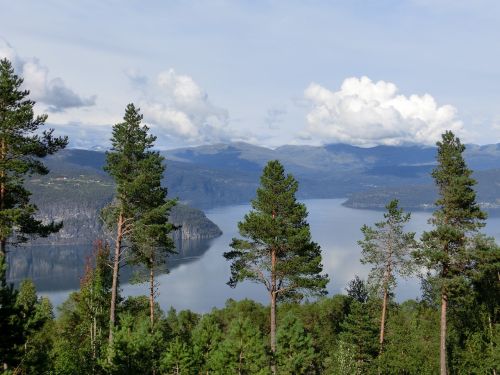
x=368 y=113
x=52 y=92
x=181 y=108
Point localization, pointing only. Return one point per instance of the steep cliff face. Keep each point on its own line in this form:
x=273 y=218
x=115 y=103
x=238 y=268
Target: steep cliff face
x=194 y=225
x=78 y=200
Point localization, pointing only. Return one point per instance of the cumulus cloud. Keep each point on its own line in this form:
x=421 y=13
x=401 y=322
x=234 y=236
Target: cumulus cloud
x=52 y=92
x=181 y=108
x=369 y=113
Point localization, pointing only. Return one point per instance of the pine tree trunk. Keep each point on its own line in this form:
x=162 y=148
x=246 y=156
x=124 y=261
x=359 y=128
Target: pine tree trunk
x=152 y=294
x=3 y=241
x=273 y=308
x=116 y=267
x=240 y=365
x=442 y=344
x=492 y=346
x=382 y=319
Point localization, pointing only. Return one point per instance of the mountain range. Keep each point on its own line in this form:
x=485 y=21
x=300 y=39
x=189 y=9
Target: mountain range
x=223 y=174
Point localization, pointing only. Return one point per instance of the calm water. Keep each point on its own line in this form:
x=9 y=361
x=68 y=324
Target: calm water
x=200 y=284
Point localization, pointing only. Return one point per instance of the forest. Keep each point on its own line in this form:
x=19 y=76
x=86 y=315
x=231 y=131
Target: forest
x=452 y=328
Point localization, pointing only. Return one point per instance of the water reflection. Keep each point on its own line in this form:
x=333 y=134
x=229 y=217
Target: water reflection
x=54 y=268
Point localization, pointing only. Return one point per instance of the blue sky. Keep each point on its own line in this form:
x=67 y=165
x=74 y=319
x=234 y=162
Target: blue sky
x=266 y=72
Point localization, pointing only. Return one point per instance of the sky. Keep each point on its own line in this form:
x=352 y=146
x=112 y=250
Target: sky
x=372 y=72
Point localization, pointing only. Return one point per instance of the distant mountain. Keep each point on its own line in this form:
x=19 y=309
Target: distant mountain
x=222 y=174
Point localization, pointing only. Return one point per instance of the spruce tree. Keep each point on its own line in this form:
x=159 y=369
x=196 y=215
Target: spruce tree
x=388 y=249
x=447 y=247
x=139 y=213
x=22 y=145
x=276 y=249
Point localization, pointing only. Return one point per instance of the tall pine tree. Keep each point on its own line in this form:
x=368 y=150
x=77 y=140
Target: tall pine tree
x=388 y=249
x=140 y=211
x=447 y=247
x=21 y=148
x=277 y=250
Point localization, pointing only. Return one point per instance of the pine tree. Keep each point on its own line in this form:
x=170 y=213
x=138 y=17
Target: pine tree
x=357 y=289
x=388 y=249
x=242 y=352
x=137 y=349
x=82 y=327
x=37 y=319
x=206 y=337
x=359 y=332
x=446 y=249
x=139 y=213
x=277 y=250
x=151 y=239
x=21 y=148
x=411 y=345
x=178 y=359
x=295 y=352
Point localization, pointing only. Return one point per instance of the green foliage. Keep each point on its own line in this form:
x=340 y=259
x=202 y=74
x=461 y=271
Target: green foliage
x=181 y=324
x=83 y=323
x=10 y=324
x=359 y=334
x=277 y=223
x=137 y=171
x=412 y=340
x=388 y=248
x=206 y=338
x=136 y=350
x=178 y=359
x=342 y=360
x=447 y=249
x=357 y=290
x=21 y=147
x=295 y=353
x=242 y=351
x=257 y=314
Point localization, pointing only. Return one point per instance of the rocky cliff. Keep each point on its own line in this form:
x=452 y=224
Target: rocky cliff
x=78 y=200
